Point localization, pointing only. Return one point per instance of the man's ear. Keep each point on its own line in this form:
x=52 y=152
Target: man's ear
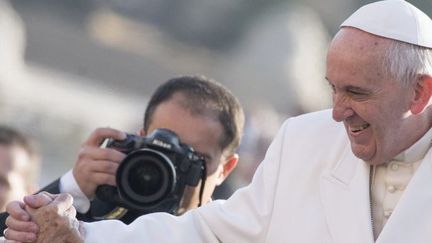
x=227 y=167
x=423 y=92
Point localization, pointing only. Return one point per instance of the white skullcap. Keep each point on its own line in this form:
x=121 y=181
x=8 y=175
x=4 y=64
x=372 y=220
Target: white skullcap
x=393 y=19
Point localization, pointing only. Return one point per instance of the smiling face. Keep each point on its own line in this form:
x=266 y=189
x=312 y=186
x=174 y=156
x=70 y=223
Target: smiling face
x=204 y=133
x=373 y=107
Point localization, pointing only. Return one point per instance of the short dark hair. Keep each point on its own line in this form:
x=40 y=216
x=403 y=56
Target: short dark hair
x=14 y=138
x=203 y=96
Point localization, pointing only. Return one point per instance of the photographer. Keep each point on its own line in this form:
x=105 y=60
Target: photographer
x=202 y=113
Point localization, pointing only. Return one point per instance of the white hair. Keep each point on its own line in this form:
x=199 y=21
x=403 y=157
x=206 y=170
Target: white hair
x=406 y=62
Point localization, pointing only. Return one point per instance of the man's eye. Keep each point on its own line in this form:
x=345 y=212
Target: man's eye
x=358 y=95
x=355 y=92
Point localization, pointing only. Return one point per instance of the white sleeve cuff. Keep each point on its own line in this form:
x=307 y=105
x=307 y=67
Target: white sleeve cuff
x=69 y=185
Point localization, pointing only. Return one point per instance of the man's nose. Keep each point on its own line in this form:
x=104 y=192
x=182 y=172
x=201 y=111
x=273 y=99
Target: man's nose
x=341 y=108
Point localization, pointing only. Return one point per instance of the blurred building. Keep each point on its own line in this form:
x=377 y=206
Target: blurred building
x=279 y=63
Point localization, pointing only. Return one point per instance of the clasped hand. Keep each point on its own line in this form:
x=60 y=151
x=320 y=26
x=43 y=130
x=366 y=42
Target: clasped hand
x=43 y=218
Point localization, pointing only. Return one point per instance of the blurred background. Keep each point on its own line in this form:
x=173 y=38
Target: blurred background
x=67 y=67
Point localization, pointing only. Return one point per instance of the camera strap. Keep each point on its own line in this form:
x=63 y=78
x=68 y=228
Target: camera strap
x=203 y=179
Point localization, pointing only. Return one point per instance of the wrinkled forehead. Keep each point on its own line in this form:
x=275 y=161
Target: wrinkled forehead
x=356 y=55
x=354 y=45
x=353 y=39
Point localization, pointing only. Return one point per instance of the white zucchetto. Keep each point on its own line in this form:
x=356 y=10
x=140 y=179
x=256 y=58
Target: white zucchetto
x=393 y=19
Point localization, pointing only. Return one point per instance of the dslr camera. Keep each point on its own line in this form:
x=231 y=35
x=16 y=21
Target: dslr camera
x=153 y=175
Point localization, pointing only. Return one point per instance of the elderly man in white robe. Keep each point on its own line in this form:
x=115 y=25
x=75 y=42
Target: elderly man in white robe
x=359 y=173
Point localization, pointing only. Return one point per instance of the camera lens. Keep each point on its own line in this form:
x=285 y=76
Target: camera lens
x=145 y=177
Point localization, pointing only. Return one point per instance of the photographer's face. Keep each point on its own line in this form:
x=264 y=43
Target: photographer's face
x=13 y=160
x=203 y=133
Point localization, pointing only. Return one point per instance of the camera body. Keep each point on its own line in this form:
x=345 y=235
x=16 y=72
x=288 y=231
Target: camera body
x=153 y=175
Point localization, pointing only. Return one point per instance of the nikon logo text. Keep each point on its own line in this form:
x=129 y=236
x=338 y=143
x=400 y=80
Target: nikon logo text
x=161 y=144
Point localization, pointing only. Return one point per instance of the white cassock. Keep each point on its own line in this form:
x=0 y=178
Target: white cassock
x=310 y=188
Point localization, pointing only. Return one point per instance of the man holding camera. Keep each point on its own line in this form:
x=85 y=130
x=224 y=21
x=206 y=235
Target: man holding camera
x=363 y=177
x=202 y=113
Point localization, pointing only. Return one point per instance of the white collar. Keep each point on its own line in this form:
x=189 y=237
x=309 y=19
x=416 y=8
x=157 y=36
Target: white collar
x=418 y=150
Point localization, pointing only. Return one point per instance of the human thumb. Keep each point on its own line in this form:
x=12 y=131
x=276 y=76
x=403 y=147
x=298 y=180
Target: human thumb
x=38 y=200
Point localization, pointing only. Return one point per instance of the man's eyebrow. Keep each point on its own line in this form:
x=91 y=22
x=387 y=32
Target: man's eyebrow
x=353 y=87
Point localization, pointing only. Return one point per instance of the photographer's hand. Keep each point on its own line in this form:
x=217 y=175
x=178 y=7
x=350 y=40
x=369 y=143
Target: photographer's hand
x=95 y=165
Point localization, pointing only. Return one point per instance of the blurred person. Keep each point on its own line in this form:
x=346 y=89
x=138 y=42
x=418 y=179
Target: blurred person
x=262 y=124
x=204 y=115
x=19 y=155
x=362 y=177
x=19 y=165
